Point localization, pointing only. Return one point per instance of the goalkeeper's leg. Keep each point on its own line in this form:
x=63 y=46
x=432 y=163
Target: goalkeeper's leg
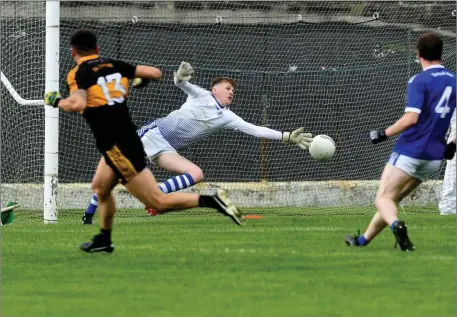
x=189 y=174
x=90 y=211
x=160 y=152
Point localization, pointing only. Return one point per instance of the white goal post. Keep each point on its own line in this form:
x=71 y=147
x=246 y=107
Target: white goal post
x=51 y=144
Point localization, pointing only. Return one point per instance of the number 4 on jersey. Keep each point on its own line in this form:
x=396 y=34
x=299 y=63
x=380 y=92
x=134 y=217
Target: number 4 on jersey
x=442 y=106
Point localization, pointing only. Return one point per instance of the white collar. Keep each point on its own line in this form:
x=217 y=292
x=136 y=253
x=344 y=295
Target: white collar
x=434 y=66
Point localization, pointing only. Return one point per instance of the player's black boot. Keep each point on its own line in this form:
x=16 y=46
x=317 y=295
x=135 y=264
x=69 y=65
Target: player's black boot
x=401 y=235
x=352 y=241
x=98 y=244
x=88 y=219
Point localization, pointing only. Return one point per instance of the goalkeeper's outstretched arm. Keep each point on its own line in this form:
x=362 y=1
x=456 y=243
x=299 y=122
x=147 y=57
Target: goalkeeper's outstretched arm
x=182 y=77
x=297 y=137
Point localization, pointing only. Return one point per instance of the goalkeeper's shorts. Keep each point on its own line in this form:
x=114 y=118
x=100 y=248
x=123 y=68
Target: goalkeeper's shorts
x=155 y=144
x=420 y=169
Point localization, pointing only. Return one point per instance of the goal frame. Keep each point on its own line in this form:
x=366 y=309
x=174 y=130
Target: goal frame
x=258 y=176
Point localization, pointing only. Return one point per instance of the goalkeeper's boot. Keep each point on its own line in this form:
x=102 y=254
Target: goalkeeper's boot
x=401 y=237
x=352 y=241
x=226 y=207
x=88 y=219
x=151 y=212
x=98 y=244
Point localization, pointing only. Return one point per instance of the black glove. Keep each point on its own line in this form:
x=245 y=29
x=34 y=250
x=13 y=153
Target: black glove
x=140 y=82
x=449 y=151
x=377 y=136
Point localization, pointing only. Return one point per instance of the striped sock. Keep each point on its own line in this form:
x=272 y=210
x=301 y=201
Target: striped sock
x=177 y=183
x=93 y=205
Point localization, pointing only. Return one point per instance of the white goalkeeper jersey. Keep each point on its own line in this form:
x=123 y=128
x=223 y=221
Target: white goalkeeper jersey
x=201 y=116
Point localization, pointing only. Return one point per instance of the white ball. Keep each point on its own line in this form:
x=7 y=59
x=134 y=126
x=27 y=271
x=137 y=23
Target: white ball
x=322 y=148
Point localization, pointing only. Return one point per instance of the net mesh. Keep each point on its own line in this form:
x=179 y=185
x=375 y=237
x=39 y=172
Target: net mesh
x=336 y=68
x=22 y=49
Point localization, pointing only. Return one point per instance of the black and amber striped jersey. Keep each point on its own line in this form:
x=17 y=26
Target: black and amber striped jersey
x=106 y=82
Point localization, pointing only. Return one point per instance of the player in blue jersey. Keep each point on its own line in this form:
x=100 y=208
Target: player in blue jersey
x=421 y=146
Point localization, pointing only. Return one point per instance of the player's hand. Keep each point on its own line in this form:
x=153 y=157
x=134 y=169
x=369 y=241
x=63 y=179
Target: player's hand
x=140 y=82
x=185 y=72
x=449 y=152
x=377 y=136
x=298 y=137
x=52 y=99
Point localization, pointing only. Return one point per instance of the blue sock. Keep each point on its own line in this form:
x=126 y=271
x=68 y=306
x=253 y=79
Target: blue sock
x=177 y=183
x=93 y=205
x=393 y=225
x=362 y=240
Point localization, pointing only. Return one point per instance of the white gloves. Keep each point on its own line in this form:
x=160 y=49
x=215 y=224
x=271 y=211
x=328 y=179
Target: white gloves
x=184 y=72
x=303 y=140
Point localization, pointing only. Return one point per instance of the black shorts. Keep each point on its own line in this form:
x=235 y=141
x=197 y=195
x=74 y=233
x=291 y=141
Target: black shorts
x=126 y=159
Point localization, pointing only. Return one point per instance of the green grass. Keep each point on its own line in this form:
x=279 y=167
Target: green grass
x=205 y=266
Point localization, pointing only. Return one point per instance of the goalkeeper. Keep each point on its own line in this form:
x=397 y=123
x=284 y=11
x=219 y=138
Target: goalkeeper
x=203 y=114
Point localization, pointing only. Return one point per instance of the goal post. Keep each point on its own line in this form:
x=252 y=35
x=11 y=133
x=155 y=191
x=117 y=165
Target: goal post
x=51 y=139
x=336 y=68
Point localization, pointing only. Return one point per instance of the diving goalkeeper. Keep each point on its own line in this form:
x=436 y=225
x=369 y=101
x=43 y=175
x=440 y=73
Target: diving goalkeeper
x=203 y=114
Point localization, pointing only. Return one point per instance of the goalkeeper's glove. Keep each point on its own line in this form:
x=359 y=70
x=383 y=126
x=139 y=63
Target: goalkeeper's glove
x=184 y=72
x=140 y=82
x=52 y=99
x=449 y=152
x=377 y=136
x=302 y=140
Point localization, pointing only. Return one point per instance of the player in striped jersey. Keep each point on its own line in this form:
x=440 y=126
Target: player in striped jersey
x=203 y=114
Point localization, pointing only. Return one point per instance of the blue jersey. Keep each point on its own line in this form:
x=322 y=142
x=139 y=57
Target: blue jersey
x=430 y=93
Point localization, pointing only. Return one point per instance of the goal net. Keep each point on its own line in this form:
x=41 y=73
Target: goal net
x=335 y=68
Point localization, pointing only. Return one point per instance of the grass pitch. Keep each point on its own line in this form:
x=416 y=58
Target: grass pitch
x=206 y=266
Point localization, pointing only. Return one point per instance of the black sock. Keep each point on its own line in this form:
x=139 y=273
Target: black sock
x=106 y=234
x=208 y=202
